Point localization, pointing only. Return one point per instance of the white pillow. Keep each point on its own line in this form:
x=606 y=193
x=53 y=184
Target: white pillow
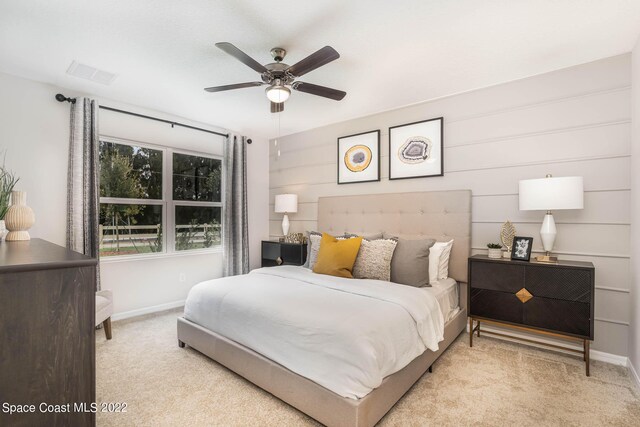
x=439 y=260
x=312 y=249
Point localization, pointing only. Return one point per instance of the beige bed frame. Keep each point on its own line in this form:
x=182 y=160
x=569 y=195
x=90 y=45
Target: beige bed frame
x=443 y=215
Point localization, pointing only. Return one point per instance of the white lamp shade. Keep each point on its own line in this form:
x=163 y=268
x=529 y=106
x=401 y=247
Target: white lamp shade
x=548 y=194
x=277 y=93
x=286 y=203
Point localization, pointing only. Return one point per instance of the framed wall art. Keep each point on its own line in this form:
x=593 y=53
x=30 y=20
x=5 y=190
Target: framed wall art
x=521 y=249
x=359 y=158
x=416 y=149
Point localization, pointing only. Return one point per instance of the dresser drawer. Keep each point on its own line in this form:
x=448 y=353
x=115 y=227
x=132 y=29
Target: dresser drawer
x=280 y=253
x=496 y=305
x=291 y=254
x=569 y=317
x=497 y=276
x=270 y=250
x=559 y=283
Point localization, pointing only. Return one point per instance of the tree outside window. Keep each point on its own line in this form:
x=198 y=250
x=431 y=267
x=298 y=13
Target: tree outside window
x=196 y=194
x=133 y=213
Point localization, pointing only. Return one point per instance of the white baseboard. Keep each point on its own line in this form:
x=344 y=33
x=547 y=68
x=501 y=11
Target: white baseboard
x=614 y=359
x=600 y=356
x=634 y=373
x=147 y=310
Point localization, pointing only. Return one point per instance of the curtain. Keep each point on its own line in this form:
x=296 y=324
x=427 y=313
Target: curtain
x=83 y=182
x=234 y=225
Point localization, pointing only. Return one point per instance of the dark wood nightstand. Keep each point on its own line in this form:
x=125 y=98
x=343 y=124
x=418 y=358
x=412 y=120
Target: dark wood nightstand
x=552 y=299
x=280 y=253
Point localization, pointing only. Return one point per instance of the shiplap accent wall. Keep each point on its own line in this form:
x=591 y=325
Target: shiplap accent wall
x=574 y=121
x=634 y=328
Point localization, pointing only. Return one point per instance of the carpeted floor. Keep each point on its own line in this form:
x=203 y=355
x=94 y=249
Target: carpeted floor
x=495 y=383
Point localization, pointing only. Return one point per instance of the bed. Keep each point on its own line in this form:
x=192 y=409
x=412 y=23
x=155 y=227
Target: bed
x=336 y=400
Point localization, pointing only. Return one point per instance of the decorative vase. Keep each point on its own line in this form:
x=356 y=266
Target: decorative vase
x=495 y=253
x=19 y=217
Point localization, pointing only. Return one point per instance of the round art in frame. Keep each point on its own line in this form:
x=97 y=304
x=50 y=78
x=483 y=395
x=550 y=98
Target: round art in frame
x=357 y=158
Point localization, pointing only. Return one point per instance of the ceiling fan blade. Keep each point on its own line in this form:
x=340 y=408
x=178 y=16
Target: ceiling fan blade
x=313 y=61
x=230 y=87
x=277 y=107
x=241 y=56
x=327 y=92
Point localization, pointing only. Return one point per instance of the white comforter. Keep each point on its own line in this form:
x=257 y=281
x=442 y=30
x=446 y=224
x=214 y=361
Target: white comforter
x=344 y=334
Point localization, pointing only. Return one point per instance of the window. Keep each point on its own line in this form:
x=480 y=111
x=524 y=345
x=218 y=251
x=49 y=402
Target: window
x=196 y=195
x=155 y=200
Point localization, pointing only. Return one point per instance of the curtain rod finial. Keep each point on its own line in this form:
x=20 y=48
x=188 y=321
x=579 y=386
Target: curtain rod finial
x=61 y=98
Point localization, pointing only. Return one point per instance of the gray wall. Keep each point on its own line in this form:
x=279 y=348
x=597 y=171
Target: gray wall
x=634 y=330
x=574 y=121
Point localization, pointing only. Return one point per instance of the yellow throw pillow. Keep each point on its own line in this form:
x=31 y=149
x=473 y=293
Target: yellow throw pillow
x=336 y=257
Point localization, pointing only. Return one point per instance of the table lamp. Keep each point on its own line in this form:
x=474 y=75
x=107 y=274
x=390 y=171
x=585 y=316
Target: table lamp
x=549 y=194
x=286 y=203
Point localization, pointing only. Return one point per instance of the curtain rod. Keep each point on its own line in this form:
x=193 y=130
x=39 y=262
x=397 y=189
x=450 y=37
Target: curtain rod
x=61 y=98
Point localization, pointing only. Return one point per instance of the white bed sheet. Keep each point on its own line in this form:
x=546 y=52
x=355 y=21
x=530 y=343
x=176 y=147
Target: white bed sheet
x=346 y=335
x=446 y=292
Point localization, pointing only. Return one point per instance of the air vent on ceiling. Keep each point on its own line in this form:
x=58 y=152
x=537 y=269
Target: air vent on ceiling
x=88 y=72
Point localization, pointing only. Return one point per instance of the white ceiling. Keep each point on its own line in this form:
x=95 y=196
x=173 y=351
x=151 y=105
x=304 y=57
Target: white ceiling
x=392 y=53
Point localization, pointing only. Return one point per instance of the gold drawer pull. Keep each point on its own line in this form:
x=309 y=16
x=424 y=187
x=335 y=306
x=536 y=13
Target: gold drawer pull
x=524 y=295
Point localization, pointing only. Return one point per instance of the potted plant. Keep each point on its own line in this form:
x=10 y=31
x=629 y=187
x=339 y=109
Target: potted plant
x=7 y=182
x=495 y=250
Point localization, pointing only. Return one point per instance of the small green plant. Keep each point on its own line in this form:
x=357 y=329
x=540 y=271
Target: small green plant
x=7 y=181
x=494 y=246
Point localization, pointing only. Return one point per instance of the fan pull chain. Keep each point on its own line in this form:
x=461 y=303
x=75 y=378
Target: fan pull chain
x=279 y=114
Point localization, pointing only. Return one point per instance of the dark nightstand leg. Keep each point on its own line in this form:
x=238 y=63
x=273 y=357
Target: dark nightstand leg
x=431 y=368
x=478 y=328
x=586 y=355
x=471 y=332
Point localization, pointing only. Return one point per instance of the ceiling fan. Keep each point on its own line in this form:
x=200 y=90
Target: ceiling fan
x=280 y=76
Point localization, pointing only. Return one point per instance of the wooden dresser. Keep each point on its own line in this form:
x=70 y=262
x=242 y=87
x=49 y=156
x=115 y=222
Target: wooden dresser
x=47 y=345
x=552 y=299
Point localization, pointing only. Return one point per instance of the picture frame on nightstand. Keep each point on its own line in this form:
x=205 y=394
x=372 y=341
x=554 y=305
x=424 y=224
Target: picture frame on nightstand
x=521 y=248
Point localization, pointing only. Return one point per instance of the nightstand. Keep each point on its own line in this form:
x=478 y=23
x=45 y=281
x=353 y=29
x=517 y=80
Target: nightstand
x=280 y=253
x=555 y=300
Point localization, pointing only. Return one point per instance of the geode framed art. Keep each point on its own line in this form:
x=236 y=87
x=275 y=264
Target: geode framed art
x=359 y=157
x=416 y=149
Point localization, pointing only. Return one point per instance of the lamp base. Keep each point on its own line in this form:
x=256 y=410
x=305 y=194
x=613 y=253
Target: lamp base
x=285 y=225
x=547 y=258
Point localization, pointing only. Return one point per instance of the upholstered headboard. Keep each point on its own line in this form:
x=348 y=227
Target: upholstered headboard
x=441 y=215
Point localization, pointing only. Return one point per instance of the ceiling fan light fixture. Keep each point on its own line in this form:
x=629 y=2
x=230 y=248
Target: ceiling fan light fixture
x=278 y=93
x=280 y=77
